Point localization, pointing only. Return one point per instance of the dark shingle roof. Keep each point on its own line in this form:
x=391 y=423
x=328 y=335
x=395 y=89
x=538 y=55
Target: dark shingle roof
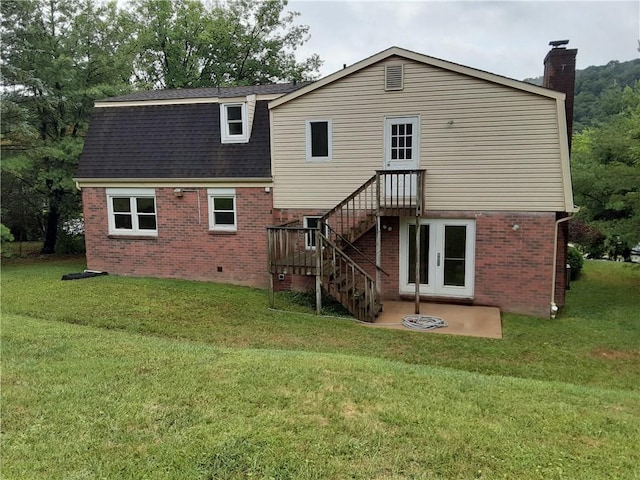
x=213 y=92
x=172 y=141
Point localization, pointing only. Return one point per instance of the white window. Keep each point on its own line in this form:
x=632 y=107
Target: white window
x=310 y=236
x=233 y=123
x=132 y=211
x=318 y=133
x=222 y=209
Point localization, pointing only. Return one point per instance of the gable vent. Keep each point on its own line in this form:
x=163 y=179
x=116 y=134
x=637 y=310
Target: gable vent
x=393 y=77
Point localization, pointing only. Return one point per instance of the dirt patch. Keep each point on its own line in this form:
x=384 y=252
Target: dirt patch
x=610 y=354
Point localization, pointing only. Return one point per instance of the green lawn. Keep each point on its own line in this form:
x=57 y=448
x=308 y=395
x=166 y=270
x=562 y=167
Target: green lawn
x=117 y=377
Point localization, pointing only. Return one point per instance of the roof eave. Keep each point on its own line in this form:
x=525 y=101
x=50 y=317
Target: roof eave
x=173 y=182
x=181 y=101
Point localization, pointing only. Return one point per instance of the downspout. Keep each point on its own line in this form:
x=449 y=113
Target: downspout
x=554 y=307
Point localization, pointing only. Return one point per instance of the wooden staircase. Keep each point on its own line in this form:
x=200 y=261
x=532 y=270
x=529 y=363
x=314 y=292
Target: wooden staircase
x=389 y=193
x=344 y=280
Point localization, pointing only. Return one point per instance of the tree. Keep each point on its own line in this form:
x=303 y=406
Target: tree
x=58 y=56
x=606 y=173
x=599 y=91
x=184 y=43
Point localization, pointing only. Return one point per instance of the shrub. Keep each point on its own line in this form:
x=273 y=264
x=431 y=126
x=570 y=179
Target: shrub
x=576 y=261
x=70 y=244
x=590 y=238
x=5 y=234
x=71 y=237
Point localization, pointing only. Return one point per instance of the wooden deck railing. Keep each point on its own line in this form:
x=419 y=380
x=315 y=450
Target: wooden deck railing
x=293 y=249
x=388 y=192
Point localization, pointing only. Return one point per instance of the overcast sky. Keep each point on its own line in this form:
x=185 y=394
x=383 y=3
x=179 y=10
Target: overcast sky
x=508 y=38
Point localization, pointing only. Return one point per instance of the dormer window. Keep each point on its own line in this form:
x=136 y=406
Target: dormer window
x=233 y=123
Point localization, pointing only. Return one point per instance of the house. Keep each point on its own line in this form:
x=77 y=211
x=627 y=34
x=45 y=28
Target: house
x=401 y=176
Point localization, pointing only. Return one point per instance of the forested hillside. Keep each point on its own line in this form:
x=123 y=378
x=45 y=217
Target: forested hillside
x=598 y=91
x=605 y=158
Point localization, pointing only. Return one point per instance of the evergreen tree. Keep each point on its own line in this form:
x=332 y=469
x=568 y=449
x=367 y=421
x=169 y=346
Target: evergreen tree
x=58 y=56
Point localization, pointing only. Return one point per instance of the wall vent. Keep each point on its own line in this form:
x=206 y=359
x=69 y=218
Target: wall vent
x=394 y=77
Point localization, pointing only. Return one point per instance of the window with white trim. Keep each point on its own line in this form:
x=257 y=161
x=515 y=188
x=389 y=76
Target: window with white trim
x=233 y=123
x=310 y=236
x=222 y=209
x=318 y=134
x=132 y=211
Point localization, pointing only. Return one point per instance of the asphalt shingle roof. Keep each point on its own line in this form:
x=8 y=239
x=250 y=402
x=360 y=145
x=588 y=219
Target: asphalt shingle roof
x=172 y=141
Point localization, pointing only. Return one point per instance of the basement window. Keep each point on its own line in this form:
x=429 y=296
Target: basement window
x=233 y=123
x=132 y=211
x=310 y=236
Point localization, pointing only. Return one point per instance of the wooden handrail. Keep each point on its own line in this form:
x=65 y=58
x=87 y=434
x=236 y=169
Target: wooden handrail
x=346 y=281
x=350 y=197
x=357 y=250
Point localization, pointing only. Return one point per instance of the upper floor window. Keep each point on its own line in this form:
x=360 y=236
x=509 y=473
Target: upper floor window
x=233 y=123
x=132 y=211
x=222 y=209
x=318 y=134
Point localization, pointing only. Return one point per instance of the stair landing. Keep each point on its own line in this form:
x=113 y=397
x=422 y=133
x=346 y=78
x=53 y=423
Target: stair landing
x=465 y=320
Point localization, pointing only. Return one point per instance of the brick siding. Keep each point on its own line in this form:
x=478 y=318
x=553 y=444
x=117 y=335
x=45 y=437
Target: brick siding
x=514 y=267
x=184 y=247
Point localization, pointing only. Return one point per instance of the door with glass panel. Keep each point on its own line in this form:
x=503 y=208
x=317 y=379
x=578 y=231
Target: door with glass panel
x=402 y=152
x=446 y=257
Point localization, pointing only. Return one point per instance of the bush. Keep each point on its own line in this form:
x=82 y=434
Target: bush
x=70 y=244
x=576 y=261
x=5 y=234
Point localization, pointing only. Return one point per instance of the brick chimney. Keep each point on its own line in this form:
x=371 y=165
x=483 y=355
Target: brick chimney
x=560 y=75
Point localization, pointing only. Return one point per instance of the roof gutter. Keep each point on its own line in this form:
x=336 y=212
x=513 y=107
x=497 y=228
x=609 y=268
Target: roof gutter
x=167 y=181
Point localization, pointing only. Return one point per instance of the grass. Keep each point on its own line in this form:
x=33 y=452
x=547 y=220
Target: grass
x=20 y=249
x=597 y=335
x=118 y=377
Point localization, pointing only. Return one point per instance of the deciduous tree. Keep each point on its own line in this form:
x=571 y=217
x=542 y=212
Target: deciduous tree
x=606 y=172
x=186 y=43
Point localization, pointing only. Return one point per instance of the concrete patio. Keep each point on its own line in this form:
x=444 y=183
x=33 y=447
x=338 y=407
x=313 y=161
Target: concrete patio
x=466 y=320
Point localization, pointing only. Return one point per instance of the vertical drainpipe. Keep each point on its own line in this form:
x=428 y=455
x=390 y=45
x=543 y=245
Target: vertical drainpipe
x=554 y=306
x=378 y=237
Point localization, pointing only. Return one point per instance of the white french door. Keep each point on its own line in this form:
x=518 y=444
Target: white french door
x=447 y=257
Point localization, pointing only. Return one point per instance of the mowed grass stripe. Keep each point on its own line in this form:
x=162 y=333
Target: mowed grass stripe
x=595 y=341
x=80 y=402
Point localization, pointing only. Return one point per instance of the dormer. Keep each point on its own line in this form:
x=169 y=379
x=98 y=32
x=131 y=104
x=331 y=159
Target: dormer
x=236 y=119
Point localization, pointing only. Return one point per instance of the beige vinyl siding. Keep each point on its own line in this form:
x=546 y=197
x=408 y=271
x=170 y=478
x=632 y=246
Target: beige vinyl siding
x=484 y=145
